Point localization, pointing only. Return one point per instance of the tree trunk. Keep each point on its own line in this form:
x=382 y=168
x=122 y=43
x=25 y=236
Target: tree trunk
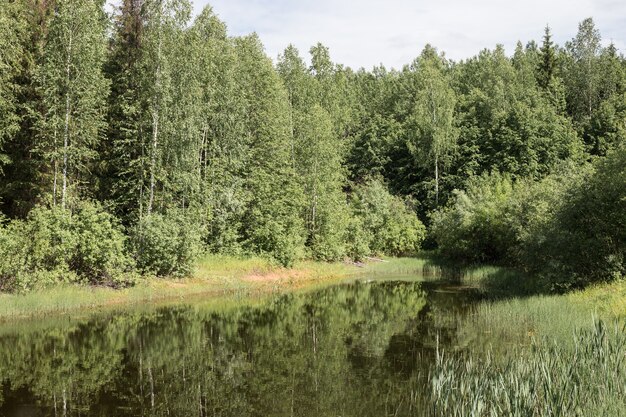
x=66 y=134
x=436 y=180
x=155 y=138
x=55 y=162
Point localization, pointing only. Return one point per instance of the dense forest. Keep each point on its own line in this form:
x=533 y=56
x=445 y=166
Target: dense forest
x=130 y=143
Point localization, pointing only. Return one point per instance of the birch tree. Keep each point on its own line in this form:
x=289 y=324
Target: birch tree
x=74 y=90
x=434 y=114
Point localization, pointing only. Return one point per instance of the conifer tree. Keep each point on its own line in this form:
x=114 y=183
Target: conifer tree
x=12 y=28
x=547 y=67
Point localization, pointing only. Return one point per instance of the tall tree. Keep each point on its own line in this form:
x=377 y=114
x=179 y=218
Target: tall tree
x=434 y=114
x=319 y=158
x=12 y=31
x=583 y=77
x=547 y=67
x=223 y=144
x=74 y=91
x=271 y=223
x=121 y=167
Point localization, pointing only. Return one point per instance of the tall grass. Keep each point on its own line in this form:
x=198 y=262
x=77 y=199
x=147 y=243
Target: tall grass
x=586 y=378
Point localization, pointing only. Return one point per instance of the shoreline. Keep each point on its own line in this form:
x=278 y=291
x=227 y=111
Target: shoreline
x=215 y=277
x=219 y=277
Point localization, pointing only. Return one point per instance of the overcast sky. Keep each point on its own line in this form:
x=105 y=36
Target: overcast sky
x=364 y=33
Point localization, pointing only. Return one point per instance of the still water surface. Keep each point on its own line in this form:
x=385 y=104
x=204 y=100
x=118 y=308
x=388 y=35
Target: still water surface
x=362 y=349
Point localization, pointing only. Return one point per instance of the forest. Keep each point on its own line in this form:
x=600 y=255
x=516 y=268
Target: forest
x=132 y=142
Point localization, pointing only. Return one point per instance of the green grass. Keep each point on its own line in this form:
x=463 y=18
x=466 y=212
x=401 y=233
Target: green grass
x=215 y=276
x=535 y=355
x=586 y=377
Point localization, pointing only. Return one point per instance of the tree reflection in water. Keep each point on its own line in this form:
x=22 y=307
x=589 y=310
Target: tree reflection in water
x=360 y=349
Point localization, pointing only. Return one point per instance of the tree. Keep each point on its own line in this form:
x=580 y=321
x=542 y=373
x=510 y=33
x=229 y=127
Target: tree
x=319 y=159
x=74 y=90
x=12 y=32
x=433 y=114
x=271 y=222
x=583 y=77
x=547 y=67
x=121 y=170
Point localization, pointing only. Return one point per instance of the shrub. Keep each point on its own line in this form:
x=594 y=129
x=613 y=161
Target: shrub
x=586 y=240
x=474 y=226
x=54 y=245
x=568 y=229
x=99 y=255
x=388 y=225
x=167 y=244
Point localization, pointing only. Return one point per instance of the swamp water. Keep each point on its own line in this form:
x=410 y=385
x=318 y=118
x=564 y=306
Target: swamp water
x=362 y=348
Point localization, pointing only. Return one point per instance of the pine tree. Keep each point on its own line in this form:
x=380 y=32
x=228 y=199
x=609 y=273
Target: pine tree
x=121 y=169
x=12 y=33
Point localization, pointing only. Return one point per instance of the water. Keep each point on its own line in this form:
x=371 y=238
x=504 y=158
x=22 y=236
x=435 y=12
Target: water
x=356 y=349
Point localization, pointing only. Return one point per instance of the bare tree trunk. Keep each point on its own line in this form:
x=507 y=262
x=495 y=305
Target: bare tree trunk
x=151 y=386
x=64 y=403
x=66 y=135
x=153 y=155
x=155 y=126
x=55 y=161
x=436 y=180
x=314 y=205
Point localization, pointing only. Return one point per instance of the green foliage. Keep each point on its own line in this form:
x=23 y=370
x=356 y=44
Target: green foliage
x=153 y=114
x=54 y=245
x=567 y=229
x=12 y=32
x=73 y=92
x=586 y=240
x=271 y=223
x=433 y=115
x=167 y=244
x=474 y=227
x=389 y=225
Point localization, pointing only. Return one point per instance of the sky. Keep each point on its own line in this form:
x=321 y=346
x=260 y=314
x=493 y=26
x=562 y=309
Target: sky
x=366 y=33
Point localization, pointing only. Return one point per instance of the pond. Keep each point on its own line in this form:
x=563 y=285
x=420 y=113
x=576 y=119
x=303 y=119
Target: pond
x=361 y=348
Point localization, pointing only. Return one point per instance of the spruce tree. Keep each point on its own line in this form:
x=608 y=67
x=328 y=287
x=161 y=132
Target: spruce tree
x=547 y=67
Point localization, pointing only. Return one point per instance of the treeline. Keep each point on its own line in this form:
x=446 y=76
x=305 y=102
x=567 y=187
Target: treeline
x=132 y=142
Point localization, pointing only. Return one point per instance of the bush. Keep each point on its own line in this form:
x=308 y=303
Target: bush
x=167 y=244
x=568 y=229
x=474 y=227
x=54 y=245
x=586 y=240
x=388 y=225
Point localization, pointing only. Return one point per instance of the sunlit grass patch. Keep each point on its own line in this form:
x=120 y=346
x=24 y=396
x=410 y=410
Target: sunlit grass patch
x=215 y=275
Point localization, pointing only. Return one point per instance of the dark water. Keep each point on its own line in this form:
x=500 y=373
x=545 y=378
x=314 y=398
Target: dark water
x=359 y=349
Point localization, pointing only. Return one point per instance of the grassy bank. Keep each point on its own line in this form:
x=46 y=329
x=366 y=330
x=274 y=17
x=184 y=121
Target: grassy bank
x=537 y=355
x=214 y=276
